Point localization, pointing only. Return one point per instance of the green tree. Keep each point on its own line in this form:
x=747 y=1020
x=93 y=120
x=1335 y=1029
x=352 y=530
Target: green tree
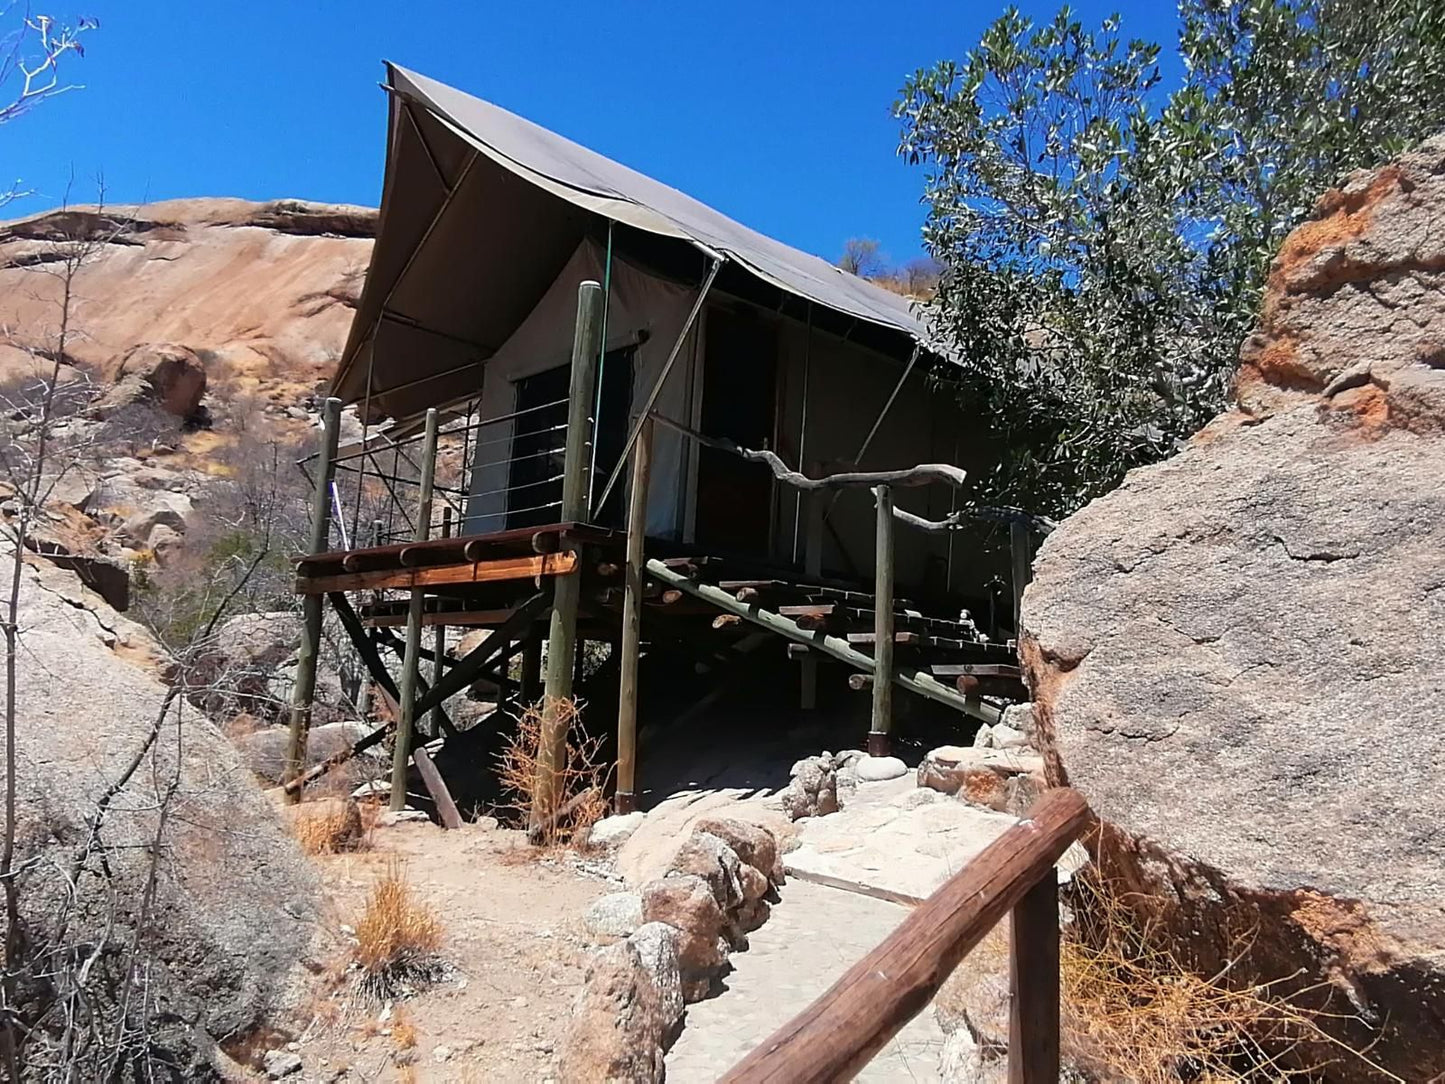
x=1104 y=242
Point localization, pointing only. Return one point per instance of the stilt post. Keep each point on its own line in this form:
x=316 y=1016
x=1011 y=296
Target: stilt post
x=411 y=661
x=632 y=622
x=879 y=741
x=304 y=690
x=812 y=567
x=562 y=635
x=439 y=640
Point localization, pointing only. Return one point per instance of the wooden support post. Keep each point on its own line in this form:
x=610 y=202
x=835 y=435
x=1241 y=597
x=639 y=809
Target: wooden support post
x=1021 y=546
x=437 y=788
x=813 y=568
x=626 y=799
x=879 y=740
x=304 y=689
x=411 y=661
x=1033 y=1034
x=562 y=635
x=439 y=640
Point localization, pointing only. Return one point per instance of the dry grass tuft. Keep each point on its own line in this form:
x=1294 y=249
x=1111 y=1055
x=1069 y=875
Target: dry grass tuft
x=397 y=938
x=403 y=1031
x=1133 y=1011
x=583 y=779
x=329 y=827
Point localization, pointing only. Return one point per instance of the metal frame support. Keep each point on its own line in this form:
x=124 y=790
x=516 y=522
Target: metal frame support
x=411 y=662
x=879 y=740
x=626 y=800
x=567 y=590
x=304 y=691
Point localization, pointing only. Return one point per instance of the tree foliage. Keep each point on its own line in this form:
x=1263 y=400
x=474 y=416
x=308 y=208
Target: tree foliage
x=1104 y=240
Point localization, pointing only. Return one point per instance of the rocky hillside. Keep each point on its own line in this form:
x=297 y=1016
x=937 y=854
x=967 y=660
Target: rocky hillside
x=1236 y=654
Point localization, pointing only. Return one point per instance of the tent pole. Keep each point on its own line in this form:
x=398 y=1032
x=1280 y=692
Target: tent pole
x=661 y=379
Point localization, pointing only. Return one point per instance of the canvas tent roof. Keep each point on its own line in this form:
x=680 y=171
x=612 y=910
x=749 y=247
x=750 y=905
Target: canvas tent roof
x=482 y=208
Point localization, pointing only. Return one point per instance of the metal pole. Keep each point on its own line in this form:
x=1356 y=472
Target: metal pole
x=439 y=640
x=631 y=624
x=412 y=660
x=562 y=635
x=879 y=743
x=304 y=690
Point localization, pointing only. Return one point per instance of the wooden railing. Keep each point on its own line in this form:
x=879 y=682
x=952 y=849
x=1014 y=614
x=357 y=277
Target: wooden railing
x=839 y=1033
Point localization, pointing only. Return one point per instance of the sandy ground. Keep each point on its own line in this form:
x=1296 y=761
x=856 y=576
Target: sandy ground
x=514 y=955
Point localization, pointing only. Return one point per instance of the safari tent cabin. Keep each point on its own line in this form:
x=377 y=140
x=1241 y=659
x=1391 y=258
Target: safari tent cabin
x=488 y=225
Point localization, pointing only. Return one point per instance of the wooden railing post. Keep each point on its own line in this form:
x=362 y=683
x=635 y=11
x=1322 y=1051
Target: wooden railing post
x=411 y=662
x=1033 y=1037
x=626 y=800
x=562 y=635
x=879 y=740
x=304 y=690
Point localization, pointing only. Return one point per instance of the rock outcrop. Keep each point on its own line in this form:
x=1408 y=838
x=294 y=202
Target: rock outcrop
x=230 y=907
x=1236 y=655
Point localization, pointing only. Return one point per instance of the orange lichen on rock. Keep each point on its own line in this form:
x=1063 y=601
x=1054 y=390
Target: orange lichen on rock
x=1343 y=216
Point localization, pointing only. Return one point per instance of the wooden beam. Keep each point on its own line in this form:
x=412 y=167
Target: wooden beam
x=437 y=788
x=440 y=617
x=468 y=668
x=505 y=568
x=911 y=679
x=839 y=1033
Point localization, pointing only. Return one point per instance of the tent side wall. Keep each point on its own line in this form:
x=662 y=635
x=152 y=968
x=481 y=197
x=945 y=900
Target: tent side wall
x=643 y=311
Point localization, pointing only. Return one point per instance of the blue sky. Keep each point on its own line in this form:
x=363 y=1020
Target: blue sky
x=775 y=113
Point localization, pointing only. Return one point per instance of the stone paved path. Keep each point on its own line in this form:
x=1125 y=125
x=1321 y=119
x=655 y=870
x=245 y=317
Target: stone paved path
x=813 y=936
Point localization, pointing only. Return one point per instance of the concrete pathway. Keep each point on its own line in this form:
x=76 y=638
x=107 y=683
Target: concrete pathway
x=813 y=936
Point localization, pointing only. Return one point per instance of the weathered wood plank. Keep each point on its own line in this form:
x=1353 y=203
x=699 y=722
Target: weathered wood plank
x=835 y=1036
x=506 y=568
x=437 y=788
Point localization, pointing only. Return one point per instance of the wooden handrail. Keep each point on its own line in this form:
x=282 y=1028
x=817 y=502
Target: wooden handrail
x=840 y=1032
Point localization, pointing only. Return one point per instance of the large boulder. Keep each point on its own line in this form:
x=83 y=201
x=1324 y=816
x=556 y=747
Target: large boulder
x=213 y=903
x=619 y=1023
x=168 y=376
x=1236 y=655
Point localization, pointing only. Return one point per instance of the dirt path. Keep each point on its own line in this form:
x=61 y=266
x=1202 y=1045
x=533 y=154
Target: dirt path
x=514 y=951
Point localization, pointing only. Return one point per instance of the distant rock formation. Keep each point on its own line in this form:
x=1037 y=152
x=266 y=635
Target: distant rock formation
x=1237 y=655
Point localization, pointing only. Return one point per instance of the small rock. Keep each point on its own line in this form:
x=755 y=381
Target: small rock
x=281 y=1063
x=877 y=769
x=391 y=817
x=441 y=1054
x=486 y=824
x=1006 y=737
x=613 y=916
x=612 y=832
x=984 y=738
x=519 y=1003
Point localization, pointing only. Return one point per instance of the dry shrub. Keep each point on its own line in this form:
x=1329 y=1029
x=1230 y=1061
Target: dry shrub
x=582 y=786
x=397 y=938
x=403 y=1031
x=329 y=827
x=1132 y=1010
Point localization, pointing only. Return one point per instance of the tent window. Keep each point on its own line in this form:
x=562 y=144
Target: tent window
x=534 y=480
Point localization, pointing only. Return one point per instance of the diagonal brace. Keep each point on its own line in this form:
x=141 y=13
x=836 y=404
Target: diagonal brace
x=468 y=668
